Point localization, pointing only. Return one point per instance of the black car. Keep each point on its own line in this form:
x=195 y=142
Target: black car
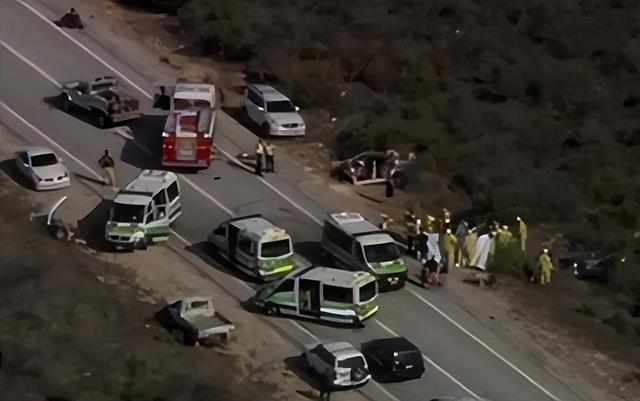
x=393 y=359
x=589 y=266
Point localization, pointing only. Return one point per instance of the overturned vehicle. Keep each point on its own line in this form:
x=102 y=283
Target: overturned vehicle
x=103 y=98
x=373 y=168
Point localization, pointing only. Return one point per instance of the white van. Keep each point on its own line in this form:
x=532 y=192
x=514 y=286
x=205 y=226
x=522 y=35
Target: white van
x=142 y=212
x=357 y=244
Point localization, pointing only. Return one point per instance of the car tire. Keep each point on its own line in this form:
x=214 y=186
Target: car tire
x=64 y=102
x=142 y=244
x=102 y=120
x=272 y=310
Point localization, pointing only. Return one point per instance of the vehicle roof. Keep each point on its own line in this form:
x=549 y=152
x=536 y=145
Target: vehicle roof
x=151 y=181
x=187 y=90
x=259 y=228
x=375 y=239
x=37 y=150
x=268 y=92
x=204 y=117
x=341 y=348
x=338 y=277
x=132 y=199
x=352 y=223
x=393 y=344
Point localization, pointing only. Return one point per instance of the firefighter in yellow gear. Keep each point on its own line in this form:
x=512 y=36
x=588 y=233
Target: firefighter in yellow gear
x=470 y=246
x=503 y=237
x=522 y=233
x=546 y=267
x=446 y=219
x=449 y=245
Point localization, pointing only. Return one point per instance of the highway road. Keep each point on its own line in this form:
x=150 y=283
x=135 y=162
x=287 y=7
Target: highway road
x=462 y=356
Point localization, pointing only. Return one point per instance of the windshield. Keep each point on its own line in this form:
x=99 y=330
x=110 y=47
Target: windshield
x=381 y=252
x=180 y=104
x=127 y=213
x=281 y=106
x=367 y=291
x=46 y=159
x=353 y=363
x=275 y=249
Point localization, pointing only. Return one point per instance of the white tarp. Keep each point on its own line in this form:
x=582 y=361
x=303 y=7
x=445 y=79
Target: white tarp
x=483 y=248
x=434 y=247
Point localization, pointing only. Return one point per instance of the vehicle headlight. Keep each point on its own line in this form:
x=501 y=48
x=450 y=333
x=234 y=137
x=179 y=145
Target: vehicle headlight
x=575 y=265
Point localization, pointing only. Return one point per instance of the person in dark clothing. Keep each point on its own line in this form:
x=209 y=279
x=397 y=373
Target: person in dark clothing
x=388 y=190
x=259 y=156
x=107 y=164
x=422 y=246
x=70 y=20
x=434 y=269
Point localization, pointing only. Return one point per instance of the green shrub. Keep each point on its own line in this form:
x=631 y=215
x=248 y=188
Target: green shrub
x=508 y=258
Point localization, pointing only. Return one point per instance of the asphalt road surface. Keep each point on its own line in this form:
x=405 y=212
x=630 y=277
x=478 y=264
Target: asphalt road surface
x=461 y=355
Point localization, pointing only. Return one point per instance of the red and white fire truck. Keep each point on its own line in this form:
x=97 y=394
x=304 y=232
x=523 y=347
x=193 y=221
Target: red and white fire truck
x=187 y=139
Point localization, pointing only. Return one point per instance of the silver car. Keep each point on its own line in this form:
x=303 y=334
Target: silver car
x=337 y=364
x=273 y=112
x=42 y=168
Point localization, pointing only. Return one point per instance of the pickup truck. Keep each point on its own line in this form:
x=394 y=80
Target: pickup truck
x=194 y=320
x=103 y=98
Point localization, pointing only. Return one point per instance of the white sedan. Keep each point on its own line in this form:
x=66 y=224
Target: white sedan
x=42 y=168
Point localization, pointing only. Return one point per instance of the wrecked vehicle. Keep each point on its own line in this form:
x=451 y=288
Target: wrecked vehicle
x=373 y=168
x=591 y=266
x=102 y=97
x=194 y=320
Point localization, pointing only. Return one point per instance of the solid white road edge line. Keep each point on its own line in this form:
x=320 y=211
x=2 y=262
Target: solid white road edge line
x=429 y=361
x=83 y=47
x=146 y=94
x=479 y=341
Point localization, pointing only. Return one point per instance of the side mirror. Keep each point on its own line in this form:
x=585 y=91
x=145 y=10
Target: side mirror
x=297 y=108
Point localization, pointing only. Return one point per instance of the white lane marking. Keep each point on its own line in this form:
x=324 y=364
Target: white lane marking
x=430 y=361
x=483 y=344
x=207 y=195
x=83 y=47
x=308 y=214
x=29 y=63
x=274 y=189
x=51 y=141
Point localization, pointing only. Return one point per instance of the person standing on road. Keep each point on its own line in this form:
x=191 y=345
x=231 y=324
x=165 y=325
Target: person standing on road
x=546 y=267
x=259 y=157
x=410 y=224
x=270 y=151
x=107 y=164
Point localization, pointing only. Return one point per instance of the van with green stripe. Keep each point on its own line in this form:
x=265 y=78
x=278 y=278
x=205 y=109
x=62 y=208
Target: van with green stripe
x=356 y=244
x=321 y=293
x=256 y=247
x=142 y=212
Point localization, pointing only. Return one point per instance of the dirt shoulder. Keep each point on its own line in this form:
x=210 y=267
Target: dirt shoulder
x=560 y=325
x=76 y=324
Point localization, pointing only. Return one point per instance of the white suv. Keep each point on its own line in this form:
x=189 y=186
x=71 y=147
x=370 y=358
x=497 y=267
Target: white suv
x=273 y=112
x=337 y=364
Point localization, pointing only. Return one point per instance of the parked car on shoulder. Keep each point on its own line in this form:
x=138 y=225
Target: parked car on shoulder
x=373 y=168
x=42 y=168
x=393 y=359
x=337 y=364
x=273 y=112
x=591 y=266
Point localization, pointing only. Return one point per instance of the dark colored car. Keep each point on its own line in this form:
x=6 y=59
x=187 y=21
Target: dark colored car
x=393 y=359
x=591 y=267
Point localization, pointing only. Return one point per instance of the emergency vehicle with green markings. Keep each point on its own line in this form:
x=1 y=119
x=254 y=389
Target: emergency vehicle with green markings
x=321 y=293
x=356 y=244
x=256 y=247
x=142 y=212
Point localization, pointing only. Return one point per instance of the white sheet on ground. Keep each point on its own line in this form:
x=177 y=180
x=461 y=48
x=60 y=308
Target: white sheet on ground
x=483 y=248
